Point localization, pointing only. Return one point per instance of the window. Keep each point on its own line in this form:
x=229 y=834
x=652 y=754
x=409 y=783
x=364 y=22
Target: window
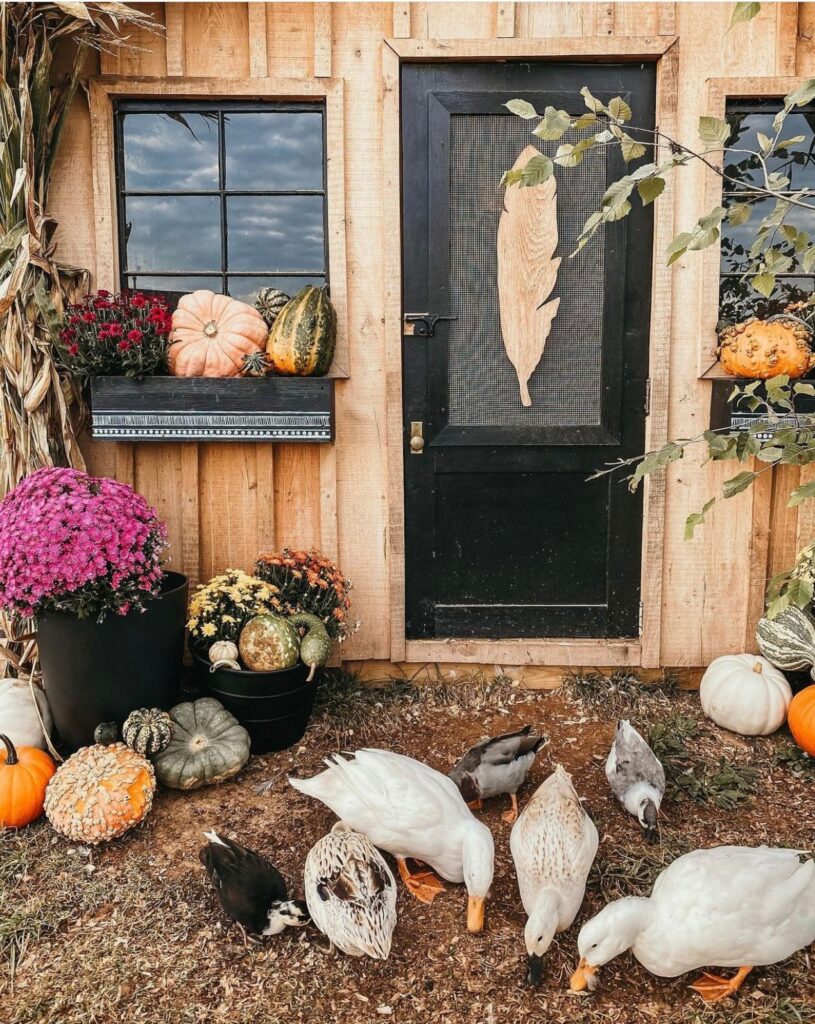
x=229 y=196
x=737 y=299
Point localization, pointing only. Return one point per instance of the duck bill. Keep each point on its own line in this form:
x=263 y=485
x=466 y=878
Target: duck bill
x=584 y=977
x=534 y=970
x=475 y=913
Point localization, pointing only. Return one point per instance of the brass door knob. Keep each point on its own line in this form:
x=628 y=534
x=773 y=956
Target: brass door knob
x=416 y=438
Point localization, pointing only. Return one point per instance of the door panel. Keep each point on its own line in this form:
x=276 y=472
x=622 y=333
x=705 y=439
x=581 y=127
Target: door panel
x=504 y=535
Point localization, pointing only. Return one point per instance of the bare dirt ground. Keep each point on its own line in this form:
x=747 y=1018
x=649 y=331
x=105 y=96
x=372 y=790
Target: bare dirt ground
x=131 y=931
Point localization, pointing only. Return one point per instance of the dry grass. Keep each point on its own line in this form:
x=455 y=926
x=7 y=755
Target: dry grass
x=131 y=931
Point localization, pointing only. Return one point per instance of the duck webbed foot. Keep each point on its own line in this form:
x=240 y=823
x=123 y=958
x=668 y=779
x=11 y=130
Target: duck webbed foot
x=424 y=885
x=712 y=987
x=511 y=816
x=475 y=805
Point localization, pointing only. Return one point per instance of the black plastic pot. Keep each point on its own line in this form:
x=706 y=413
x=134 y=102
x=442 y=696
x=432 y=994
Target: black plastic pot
x=100 y=671
x=273 y=707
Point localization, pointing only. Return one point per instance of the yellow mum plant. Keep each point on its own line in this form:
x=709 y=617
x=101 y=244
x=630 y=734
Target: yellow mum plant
x=220 y=608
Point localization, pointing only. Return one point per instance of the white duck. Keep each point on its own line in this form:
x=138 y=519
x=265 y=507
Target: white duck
x=351 y=893
x=553 y=844
x=732 y=906
x=636 y=777
x=410 y=810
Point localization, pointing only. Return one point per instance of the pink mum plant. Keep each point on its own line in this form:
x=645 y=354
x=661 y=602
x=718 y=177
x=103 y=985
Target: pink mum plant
x=76 y=543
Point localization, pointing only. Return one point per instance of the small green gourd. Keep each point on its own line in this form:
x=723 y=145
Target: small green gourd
x=315 y=647
x=788 y=640
x=147 y=730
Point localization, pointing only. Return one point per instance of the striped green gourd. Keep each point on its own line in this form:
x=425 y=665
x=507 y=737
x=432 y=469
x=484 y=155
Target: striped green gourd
x=302 y=339
x=788 y=640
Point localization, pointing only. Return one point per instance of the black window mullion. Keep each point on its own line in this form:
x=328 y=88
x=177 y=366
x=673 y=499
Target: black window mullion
x=222 y=187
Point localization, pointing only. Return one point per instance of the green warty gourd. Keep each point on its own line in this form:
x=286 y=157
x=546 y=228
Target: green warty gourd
x=315 y=647
x=788 y=640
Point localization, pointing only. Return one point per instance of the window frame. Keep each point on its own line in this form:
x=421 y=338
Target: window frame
x=720 y=92
x=123 y=107
x=107 y=92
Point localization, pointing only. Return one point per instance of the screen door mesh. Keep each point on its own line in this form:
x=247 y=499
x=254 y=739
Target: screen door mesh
x=483 y=388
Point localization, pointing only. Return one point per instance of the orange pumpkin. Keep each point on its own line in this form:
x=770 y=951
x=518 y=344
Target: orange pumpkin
x=24 y=774
x=760 y=349
x=801 y=719
x=213 y=334
x=100 y=792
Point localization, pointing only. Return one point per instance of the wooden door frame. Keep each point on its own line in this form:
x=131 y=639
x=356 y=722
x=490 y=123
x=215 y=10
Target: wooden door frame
x=644 y=650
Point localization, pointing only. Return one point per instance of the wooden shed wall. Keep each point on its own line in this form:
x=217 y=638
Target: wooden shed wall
x=225 y=502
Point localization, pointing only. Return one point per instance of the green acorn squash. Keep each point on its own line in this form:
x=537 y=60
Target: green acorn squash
x=788 y=640
x=303 y=336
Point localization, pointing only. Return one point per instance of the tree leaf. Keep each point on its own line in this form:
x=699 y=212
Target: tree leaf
x=697 y=518
x=650 y=189
x=737 y=484
x=785 y=143
x=512 y=176
x=619 y=109
x=655 y=460
x=521 y=108
x=584 y=121
x=739 y=214
x=713 y=131
x=743 y=13
x=678 y=247
x=536 y=170
x=553 y=124
x=764 y=283
x=808 y=259
x=764 y=141
x=630 y=149
x=802 y=493
x=799 y=592
x=802 y=388
x=593 y=104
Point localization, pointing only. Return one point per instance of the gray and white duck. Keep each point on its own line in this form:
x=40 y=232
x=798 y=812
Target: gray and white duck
x=636 y=777
x=250 y=889
x=496 y=766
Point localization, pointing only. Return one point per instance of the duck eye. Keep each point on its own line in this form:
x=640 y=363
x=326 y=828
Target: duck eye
x=594 y=945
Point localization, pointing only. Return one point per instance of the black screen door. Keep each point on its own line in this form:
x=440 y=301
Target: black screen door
x=504 y=536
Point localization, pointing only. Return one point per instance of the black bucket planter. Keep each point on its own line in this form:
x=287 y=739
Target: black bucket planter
x=100 y=671
x=273 y=707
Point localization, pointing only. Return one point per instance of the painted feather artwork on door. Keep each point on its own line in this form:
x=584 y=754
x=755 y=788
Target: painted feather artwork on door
x=527 y=272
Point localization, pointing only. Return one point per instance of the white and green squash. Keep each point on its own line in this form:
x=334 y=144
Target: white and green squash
x=147 y=730
x=315 y=647
x=788 y=640
x=269 y=643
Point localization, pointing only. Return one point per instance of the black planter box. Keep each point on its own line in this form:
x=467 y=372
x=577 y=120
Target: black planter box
x=213 y=409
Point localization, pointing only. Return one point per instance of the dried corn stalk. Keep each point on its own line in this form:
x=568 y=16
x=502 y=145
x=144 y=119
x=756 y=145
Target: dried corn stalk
x=527 y=272
x=35 y=423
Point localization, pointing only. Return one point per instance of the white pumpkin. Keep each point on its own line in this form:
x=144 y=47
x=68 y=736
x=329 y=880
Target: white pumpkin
x=18 y=716
x=745 y=694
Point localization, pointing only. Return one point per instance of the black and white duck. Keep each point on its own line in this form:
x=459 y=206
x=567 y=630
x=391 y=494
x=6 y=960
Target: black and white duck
x=351 y=893
x=250 y=889
x=495 y=766
x=636 y=777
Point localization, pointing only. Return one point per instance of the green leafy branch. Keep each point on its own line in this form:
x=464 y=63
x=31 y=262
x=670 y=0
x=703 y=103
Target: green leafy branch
x=776 y=244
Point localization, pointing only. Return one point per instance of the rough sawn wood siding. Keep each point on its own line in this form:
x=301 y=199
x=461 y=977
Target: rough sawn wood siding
x=226 y=502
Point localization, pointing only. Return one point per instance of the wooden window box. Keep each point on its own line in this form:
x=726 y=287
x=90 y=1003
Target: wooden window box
x=213 y=409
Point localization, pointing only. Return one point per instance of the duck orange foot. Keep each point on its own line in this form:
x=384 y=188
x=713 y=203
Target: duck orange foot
x=712 y=987
x=424 y=885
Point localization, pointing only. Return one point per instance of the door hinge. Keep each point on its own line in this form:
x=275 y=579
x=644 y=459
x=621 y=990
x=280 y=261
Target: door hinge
x=648 y=397
x=423 y=325
x=640 y=617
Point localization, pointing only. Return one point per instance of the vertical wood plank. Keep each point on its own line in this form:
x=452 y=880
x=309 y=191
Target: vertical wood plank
x=216 y=40
x=604 y=20
x=190 y=514
x=786 y=38
x=806 y=512
x=505 y=20
x=329 y=534
x=103 y=179
x=653 y=548
x=174 y=34
x=401 y=21
x=290 y=40
x=392 y=212
x=666 y=19
x=758 y=554
x=322 y=40
x=297 y=496
x=258 y=62
x=265 y=500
